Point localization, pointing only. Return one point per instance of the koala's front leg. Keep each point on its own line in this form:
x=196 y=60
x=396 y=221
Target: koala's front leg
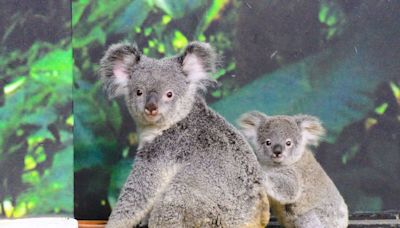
x=141 y=190
x=283 y=185
x=309 y=220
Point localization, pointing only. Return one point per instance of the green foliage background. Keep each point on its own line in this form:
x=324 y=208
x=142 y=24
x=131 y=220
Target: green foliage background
x=36 y=151
x=325 y=58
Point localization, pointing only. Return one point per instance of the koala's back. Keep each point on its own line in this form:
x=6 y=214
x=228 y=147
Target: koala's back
x=319 y=195
x=218 y=182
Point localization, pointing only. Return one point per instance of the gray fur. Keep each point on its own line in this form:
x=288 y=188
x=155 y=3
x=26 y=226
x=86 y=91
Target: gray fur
x=192 y=169
x=300 y=192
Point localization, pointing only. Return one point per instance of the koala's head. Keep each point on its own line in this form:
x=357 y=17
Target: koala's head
x=157 y=92
x=280 y=140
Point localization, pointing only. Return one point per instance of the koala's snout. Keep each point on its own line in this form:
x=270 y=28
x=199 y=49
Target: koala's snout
x=277 y=150
x=151 y=107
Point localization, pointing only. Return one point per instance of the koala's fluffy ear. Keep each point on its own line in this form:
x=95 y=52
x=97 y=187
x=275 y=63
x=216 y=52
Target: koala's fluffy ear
x=311 y=129
x=116 y=66
x=199 y=61
x=249 y=123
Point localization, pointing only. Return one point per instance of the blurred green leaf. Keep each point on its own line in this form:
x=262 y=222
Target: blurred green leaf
x=40 y=154
x=177 y=9
x=331 y=21
x=42 y=116
x=77 y=10
x=396 y=91
x=166 y=19
x=147 y=31
x=37 y=137
x=12 y=87
x=223 y=71
x=332 y=15
x=323 y=12
x=20 y=210
x=31 y=177
x=70 y=120
x=350 y=154
x=96 y=34
x=202 y=38
x=381 y=108
x=132 y=16
x=161 y=48
x=29 y=162
x=105 y=9
x=8 y=208
x=211 y=14
x=217 y=93
x=179 y=41
x=331 y=33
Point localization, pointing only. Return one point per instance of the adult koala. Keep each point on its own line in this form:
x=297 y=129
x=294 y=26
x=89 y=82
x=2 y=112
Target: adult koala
x=192 y=168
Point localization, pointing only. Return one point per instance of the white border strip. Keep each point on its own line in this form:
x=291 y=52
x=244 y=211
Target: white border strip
x=48 y=222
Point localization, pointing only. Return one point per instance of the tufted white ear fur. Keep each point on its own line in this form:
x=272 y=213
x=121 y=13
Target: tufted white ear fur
x=199 y=61
x=120 y=73
x=311 y=129
x=249 y=124
x=119 y=81
x=194 y=69
x=116 y=66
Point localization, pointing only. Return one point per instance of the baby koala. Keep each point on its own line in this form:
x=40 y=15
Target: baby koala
x=300 y=192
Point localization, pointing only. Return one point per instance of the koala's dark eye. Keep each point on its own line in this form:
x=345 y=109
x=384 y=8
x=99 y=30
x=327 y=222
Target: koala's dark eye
x=169 y=94
x=268 y=142
x=139 y=92
x=288 y=143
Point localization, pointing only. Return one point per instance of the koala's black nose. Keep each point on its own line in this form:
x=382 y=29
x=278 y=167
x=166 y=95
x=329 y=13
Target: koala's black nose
x=150 y=107
x=277 y=149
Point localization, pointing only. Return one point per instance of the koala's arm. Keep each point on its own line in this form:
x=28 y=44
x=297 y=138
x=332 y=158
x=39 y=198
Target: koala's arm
x=141 y=189
x=283 y=186
x=309 y=219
